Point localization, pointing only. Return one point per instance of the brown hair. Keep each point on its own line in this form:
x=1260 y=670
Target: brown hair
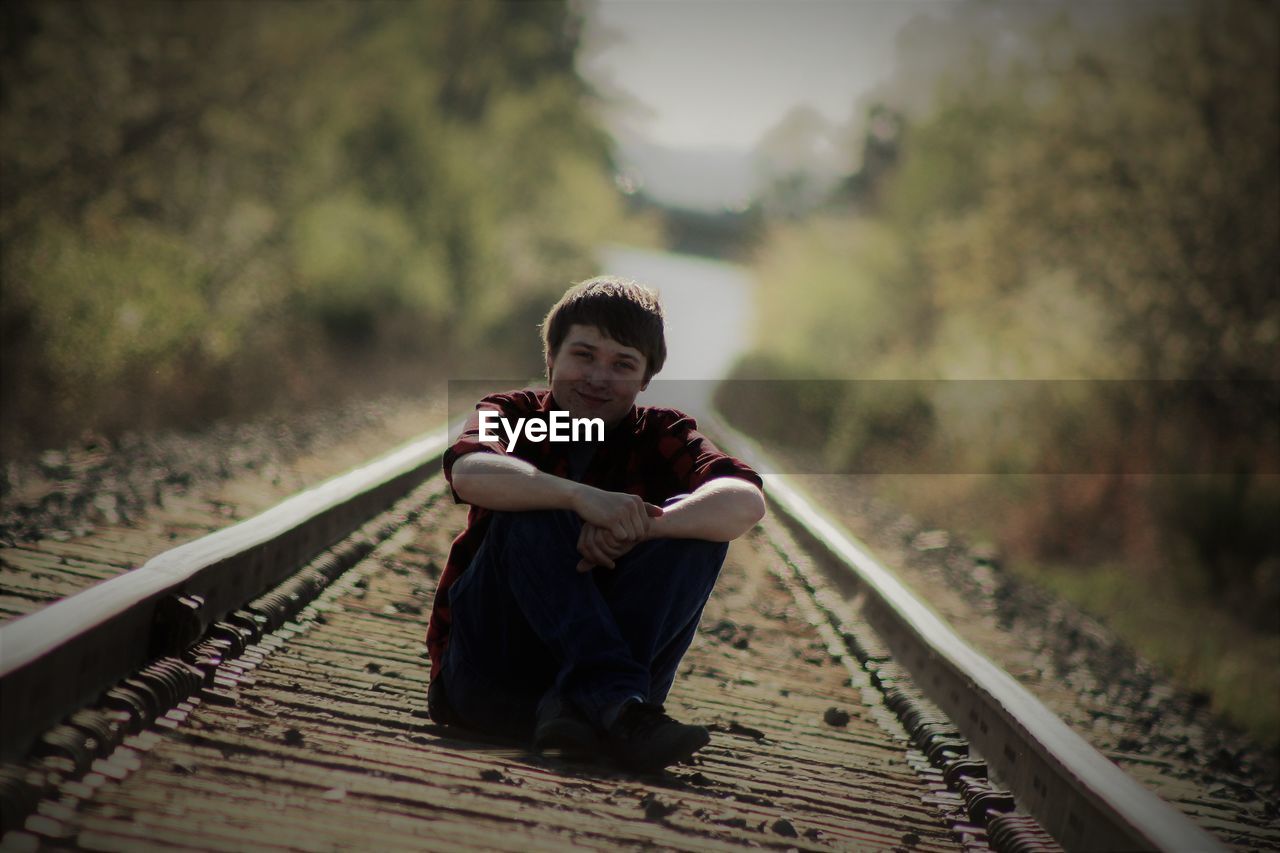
x=625 y=311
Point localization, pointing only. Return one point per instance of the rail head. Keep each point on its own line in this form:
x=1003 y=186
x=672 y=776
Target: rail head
x=56 y=659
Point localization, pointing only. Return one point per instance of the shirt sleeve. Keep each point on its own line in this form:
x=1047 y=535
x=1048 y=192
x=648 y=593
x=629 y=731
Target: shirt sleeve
x=507 y=405
x=695 y=459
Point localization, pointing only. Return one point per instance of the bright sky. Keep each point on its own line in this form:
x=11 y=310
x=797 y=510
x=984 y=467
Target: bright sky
x=713 y=73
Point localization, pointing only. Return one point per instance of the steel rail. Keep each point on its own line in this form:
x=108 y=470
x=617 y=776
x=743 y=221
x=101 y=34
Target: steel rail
x=1081 y=798
x=57 y=659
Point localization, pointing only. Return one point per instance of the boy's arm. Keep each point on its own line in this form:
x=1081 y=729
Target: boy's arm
x=499 y=482
x=719 y=510
x=506 y=483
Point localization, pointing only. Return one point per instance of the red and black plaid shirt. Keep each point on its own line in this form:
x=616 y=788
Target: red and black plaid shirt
x=652 y=452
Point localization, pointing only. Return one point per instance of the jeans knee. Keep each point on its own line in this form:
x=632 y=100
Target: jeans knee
x=704 y=549
x=708 y=555
x=680 y=555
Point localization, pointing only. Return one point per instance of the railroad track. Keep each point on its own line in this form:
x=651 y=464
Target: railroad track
x=262 y=687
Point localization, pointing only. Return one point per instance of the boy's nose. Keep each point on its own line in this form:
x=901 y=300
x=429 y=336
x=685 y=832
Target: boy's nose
x=598 y=374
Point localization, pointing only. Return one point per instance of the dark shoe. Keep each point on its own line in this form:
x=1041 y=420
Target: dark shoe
x=563 y=730
x=645 y=739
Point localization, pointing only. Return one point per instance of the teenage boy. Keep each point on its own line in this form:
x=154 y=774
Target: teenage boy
x=576 y=586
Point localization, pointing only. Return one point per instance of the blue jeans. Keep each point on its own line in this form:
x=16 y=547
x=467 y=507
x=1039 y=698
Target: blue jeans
x=528 y=627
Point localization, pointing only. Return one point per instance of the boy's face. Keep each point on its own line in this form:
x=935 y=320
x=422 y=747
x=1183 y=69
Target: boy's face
x=594 y=376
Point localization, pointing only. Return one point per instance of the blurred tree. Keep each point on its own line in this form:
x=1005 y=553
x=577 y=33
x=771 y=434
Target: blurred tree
x=881 y=145
x=797 y=162
x=1092 y=194
x=1159 y=185
x=224 y=186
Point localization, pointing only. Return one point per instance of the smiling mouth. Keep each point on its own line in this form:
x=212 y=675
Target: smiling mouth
x=588 y=398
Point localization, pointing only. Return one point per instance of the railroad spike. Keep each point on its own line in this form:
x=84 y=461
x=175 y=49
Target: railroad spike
x=179 y=621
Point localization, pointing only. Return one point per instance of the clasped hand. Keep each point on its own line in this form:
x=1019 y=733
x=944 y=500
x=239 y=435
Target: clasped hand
x=612 y=524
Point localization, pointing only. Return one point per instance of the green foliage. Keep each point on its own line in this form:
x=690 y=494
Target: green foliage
x=1097 y=199
x=128 y=300
x=1228 y=523
x=855 y=288
x=1102 y=205
x=194 y=191
x=1210 y=650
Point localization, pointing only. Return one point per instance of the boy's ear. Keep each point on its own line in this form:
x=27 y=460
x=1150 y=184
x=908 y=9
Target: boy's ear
x=549 y=360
